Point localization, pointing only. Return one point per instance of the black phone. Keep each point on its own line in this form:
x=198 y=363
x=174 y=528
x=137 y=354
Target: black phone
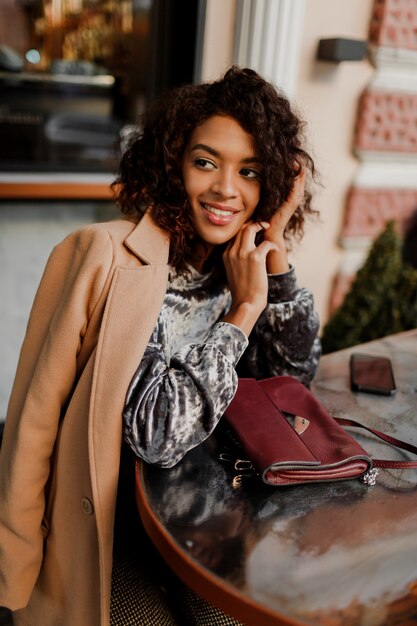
x=259 y=237
x=372 y=374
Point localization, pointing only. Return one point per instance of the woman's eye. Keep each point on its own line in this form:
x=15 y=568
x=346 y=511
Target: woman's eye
x=204 y=164
x=249 y=173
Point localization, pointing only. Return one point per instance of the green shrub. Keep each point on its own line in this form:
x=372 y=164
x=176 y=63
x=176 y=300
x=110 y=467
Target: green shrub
x=382 y=299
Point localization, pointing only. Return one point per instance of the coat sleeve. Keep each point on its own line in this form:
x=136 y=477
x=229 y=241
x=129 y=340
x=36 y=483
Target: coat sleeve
x=74 y=278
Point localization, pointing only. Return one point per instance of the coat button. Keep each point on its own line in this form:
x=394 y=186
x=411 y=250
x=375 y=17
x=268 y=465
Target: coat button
x=87 y=506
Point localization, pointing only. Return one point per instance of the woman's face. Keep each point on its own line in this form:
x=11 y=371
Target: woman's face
x=221 y=177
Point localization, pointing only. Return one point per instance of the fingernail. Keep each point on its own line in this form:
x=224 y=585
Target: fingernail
x=264 y=224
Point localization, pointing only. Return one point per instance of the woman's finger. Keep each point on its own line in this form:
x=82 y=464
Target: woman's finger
x=234 y=243
x=297 y=192
x=245 y=238
x=287 y=209
x=248 y=235
x=264 y=249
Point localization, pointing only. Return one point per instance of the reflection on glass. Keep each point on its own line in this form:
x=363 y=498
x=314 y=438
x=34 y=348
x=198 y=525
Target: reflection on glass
x=72 y=74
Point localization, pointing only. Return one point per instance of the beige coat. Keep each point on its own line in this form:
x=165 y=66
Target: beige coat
x=95 y=309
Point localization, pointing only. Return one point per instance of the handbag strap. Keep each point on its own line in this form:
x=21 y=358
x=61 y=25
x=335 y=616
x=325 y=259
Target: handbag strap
x=383 y=463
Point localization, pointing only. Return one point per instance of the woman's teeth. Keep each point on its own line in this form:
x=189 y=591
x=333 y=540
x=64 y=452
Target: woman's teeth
x=220 y=212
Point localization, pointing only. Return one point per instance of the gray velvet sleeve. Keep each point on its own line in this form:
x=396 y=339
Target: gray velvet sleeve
x=172 y=407
x=284 y=340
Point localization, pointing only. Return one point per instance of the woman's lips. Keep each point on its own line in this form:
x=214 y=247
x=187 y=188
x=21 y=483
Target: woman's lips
x=218 y=214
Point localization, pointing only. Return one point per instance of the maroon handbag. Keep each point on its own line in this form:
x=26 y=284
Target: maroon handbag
x=290 y=438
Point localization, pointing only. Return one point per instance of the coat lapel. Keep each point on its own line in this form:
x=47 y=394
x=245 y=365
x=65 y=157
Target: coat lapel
x=148 y=242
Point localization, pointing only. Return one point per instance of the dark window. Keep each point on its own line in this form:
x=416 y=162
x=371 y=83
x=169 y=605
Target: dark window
x=74 y=73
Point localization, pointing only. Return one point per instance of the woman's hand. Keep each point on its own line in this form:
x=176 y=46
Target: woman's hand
x=277 y=261
x=245 y=265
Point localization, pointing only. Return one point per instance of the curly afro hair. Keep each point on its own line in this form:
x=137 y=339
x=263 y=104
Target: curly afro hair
x=150 y=172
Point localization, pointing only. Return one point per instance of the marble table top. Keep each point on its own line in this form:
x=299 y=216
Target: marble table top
x=336 y=554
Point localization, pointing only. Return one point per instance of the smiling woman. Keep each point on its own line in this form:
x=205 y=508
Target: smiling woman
x=277 y=142
x=138 y=333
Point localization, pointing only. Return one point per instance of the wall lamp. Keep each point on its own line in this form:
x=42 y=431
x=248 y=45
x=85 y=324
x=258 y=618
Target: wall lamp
x=339 y=49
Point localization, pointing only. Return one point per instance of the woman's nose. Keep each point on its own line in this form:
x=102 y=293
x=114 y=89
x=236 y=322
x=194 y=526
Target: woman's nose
x=225 y=184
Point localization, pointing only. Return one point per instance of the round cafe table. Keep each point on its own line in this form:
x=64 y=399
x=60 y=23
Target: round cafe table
x=335 y=554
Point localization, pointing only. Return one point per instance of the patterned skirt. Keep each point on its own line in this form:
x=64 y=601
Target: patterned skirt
x=138 y=599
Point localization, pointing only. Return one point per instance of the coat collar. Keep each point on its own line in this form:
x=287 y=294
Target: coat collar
x=148 y=241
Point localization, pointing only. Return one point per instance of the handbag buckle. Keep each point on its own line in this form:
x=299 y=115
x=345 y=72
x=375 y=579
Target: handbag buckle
x=226 y=456
x=239 y=464
x=243 y=464
x=369 y=478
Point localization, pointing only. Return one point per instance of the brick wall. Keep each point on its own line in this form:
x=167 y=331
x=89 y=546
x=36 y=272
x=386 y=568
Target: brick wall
x=384 y=139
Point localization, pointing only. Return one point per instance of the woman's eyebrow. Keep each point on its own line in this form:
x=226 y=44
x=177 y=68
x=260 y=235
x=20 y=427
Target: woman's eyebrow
x=203 y=146
x=253 y=159
x=215 y=153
